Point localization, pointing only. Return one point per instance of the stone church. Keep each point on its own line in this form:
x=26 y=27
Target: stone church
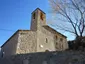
x=39 y=38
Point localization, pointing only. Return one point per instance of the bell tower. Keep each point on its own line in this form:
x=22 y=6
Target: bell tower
x=38 y=19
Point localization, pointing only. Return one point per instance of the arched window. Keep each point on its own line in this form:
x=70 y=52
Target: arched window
x=46 y=50
x=41 y=16
x=34 y=16
x=46 y=40
x=61 y=39
x=56 y=37
x=56 y=43
x=2 y=55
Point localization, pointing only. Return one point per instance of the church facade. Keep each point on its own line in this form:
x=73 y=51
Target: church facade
x=39 y=38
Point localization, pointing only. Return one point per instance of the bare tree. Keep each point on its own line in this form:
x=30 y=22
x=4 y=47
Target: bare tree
x=72 y=15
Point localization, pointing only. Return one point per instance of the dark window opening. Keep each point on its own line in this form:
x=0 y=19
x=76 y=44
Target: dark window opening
x=46 y=50
x=61 y=39
x=41 y=16
x=46 y=40
x=34 y=16
x=2 y=54
x=56 y=37
x=56 y=43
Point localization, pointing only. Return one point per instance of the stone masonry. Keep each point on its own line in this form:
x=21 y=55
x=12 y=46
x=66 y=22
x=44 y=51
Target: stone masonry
x=39 y=38
x=57 y=57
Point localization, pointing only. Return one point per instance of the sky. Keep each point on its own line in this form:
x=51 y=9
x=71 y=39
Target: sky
x=16 y=14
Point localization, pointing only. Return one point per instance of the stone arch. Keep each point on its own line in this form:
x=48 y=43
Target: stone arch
x=46 y=50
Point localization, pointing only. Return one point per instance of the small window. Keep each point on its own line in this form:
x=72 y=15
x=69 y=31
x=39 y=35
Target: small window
x=56 y=37
x=2 y=55
x=46 y=40
x=61 y=39
x=56 y=43
x=41 y=16
x=34 y=16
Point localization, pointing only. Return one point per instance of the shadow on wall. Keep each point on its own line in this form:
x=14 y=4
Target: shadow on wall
x=53 y=57
x=1 y=54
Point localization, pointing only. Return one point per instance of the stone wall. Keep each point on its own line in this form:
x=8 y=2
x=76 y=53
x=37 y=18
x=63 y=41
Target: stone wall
x=62 y=57
x=46 y=33
x=60 y=45
x=38 y=39
x=37 y=21
x=27 y=42
x=46 y=39
x=9 y=48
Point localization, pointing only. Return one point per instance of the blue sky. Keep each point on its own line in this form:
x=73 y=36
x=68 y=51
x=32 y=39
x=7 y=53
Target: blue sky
x=16 y=14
